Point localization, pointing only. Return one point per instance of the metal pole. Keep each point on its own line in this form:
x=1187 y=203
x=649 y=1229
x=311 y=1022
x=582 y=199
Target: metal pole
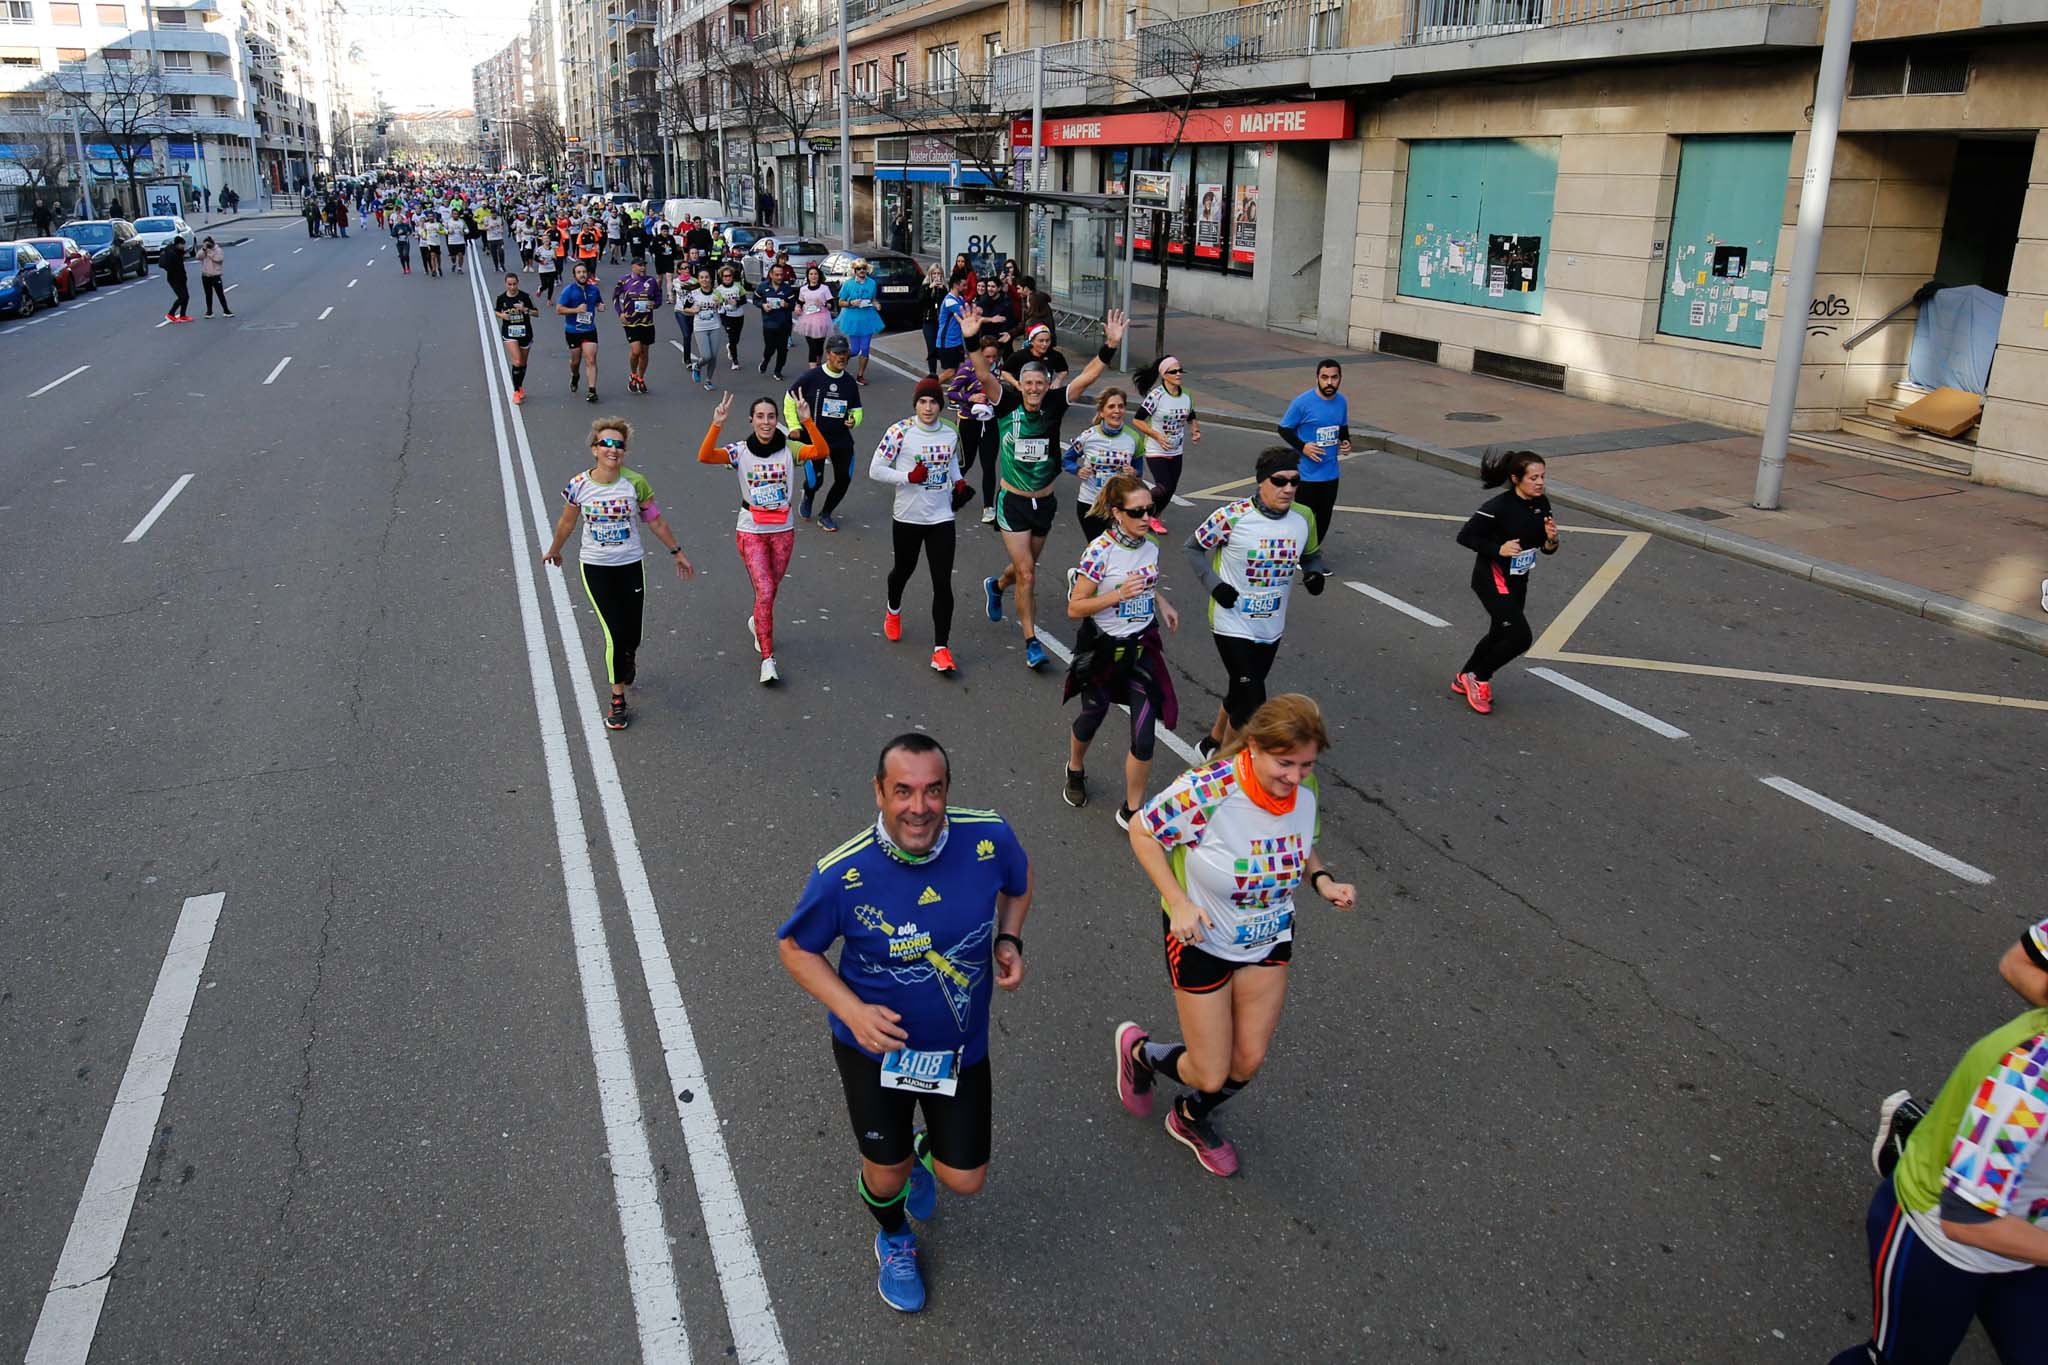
x=1038 y=118
x=845 y=139
x=1123 y=358
x=84 y=172
x=1798 y=296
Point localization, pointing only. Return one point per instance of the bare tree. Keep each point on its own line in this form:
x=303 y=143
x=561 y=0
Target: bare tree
x=960 y=114
x=774 y=94
x=43 y=161
x=544 y=131
x=683 y=101
x=122 y=106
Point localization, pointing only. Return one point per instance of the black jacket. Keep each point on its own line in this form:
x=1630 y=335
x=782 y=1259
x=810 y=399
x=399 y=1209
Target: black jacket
x=1500 y=519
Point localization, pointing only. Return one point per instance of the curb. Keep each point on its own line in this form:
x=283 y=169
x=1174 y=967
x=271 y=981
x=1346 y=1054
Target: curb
x=1910 y=598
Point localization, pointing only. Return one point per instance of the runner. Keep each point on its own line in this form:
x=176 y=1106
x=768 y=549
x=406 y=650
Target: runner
x=860 y=316
x=432 y=235
x=1038 y=346
x=494 y=239
x=835 y=398
x=458 y=240
x=1028 y=435
x=814 y=313
x=634 y=299
x=975 y=408
x=1966 y=1180
x=516 y=310
x=665 y=247
x=612 y=501
x=1119 y=656
x=950 y=341
x=1317 y=426
x=732 y=311
x=1108 y=447
x=401 y=233
x=578 y=307
x=1168 y=413
x=589 y=246
x=1504 y=536
x=1226 y=846
x=1245 y=554
x=920 y=456
x=548 y=263
x=697 y=306
x=928 y=923
x=765 y=534
x=777 y=301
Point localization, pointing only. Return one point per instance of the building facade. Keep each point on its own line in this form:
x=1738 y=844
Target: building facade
x=501 y=90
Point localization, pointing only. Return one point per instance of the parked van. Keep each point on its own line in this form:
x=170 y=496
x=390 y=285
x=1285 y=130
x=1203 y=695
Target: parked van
x=674 y=211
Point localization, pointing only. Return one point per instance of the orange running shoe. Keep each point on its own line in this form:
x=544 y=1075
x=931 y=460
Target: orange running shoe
x=892 y=624
x=1479 y=695
x=942 y=661
x=519 y=395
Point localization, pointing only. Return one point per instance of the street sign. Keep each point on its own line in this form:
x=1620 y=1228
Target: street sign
x=1154 y=189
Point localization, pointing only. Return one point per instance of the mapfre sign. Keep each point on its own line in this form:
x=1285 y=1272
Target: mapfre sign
x=1315 y=121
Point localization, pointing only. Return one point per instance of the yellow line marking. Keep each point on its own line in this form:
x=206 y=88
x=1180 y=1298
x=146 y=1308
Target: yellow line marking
x=1588 y=597
x=1802 y=680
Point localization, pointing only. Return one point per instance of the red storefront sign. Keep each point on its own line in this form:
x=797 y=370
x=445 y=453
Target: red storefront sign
x=1315 y=121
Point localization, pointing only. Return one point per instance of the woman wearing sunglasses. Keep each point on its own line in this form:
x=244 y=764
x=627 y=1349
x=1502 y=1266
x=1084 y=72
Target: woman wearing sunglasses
x=1246 y=555
x=1167 y=417
x=612 y=501
x=1119 y=657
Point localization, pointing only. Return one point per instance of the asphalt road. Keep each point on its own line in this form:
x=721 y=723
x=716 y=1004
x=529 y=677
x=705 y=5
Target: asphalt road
x=1588 y=1075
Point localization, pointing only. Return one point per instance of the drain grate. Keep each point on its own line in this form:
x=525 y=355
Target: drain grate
x=1702 y=513
x=1471 y=417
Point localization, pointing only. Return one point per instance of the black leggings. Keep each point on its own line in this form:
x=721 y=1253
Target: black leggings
x=814 y=349
x=213 y=289
x=775 y=348
x=1247 y=662
x=497 y=254
x=404 y=253
x=1165 y=472
x=616 y=594
x=1091 y=526
x=1320 y=499
x=732 y=337
x=842 y=478
x=1095 y=704
x=978 y=442
x=181 y=295
x=936 y=542
x=1507 y=632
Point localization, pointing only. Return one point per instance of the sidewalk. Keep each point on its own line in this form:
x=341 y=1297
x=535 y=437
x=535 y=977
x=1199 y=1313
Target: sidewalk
x=1947 y=549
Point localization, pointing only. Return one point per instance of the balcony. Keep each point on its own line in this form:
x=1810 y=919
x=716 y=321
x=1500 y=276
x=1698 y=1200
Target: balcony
x=1451 y=21
x=962 y=98
x=643 y=59
x=1083 y=71
x=1213 y=44
x=177 y=40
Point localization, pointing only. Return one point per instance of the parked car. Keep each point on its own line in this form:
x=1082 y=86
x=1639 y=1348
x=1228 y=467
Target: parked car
x=26 y=280
x=113 y=245
x=897 y=278
x=675 y=212
x=802 y=252
x=156 y=233
x=70 y=264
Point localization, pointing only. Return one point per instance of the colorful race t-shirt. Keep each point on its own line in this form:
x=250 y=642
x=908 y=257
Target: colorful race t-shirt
x=586 y=299
x=1107 y=562
x=1028 y=443
x=1976 y=1155
x=767 y=487
x=902 y=448
x=611 y=516
x=1257 y=555
x=1239 y=859
x=1097 y=455
x=1169 y=415
x=918 y=937
x=635 y=298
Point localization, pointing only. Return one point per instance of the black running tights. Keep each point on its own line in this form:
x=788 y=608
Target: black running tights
x=936 y=543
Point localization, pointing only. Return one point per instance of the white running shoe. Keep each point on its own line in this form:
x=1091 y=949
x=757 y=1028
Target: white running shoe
x=753 y=634
x=768 y=673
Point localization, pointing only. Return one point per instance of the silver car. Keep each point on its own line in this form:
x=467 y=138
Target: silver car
x=157 y=232
x=802 y=252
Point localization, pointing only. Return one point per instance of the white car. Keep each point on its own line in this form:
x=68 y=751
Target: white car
x=156 y=233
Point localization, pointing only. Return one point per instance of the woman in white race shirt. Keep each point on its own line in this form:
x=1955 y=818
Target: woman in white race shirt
x=612 y=501
x=920 y=457
x=1228 y=846
x=765 y=535
x=1119 y=655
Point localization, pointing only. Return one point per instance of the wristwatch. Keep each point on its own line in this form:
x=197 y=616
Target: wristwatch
x=1011 y=938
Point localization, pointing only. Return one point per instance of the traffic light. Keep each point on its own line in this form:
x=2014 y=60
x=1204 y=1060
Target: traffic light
x=383 y=129
x=487 y=125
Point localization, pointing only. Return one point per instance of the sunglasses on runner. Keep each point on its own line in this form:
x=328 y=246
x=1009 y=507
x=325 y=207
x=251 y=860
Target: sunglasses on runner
x=1174 y=370
x=1144 y=511
x=609 y=444
x=1284 y=480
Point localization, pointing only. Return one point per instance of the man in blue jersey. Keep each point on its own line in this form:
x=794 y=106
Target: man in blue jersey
x=929 y=904
x=1317 y=424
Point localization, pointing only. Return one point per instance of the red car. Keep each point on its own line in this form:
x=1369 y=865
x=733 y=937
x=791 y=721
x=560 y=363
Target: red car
x=70 y=264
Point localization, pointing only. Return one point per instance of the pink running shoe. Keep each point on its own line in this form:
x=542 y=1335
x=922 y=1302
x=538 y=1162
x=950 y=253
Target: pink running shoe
x=1133 y=1082
x=1215 y=1153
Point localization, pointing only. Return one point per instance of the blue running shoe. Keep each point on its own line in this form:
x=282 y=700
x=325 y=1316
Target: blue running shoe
x=994 y=595
x=900 y=1283
x=1034 y=653
x=825 y=522
x=923 y=1200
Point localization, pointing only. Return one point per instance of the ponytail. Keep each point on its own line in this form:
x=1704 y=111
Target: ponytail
x=1501 y=466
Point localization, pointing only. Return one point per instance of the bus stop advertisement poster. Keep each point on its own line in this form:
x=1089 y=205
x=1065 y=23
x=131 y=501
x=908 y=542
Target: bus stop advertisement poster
x=988 y=234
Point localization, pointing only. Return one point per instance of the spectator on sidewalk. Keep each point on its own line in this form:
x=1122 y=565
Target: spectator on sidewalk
x=765 y=203
x=1317 y=425
x=42 y=217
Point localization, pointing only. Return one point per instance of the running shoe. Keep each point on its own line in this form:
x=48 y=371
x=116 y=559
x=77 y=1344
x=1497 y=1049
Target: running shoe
x=616 y=718
x=1034 y=653
x=575 y=381
x=994 y=594
x=1207 y=746
x=899 y=1282
x=892 y=625
x=804 y=508
x=590 y=397
x=1155 y=526
x=778 y=374
x=1124 y=816
x=862 y=380
x=753 y=634
x=988 y=518
x=1075 y=790
x=762 y=368
x=1199 y=1136
x=769 y=677
x=519 y=395
x=942 y=661
x=1478 y=695
x=735 y=367
x=825 y=523
x=1072 y=574
x=1133 y=1082
x=1896 y=1118
x=922 y=1199
x=1458 y=683
x=710 y=387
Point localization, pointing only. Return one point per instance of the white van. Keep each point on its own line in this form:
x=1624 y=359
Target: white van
x=674 y=211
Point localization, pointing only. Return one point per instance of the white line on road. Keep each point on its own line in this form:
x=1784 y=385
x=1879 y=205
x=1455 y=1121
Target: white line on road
x=351 y=284
x=231 y=289
x=371 y=261
x=78 y=1291
x=1388 y=599
x=279 y=370
x=1905 y=843
x=267 y=267
x=1619 y=708
x=55 y=382
x=324 y=312
x=749 y=1311
x=1187 y=752
x=142 y=527
x=165 y=323
x=297 y=249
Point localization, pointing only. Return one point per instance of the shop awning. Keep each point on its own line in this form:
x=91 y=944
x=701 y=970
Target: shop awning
x=930 y=175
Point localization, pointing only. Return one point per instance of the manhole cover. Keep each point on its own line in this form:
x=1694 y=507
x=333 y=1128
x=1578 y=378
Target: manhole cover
x=1702 y=513
x=269 y=326
x=1471 y=417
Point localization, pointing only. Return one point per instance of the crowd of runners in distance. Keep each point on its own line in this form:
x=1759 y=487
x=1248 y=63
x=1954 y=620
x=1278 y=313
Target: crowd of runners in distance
x=927 y=904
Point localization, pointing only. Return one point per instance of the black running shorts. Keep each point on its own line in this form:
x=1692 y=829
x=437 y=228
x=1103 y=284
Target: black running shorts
x=1197 y=972
x=960 y=1124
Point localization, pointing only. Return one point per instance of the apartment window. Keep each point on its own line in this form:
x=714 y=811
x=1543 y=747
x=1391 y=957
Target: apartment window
x=1130 y=21
x=810 y=90
x=20 y=12
x=174 y=18
x=991 y=48
x=941 y=65
x=833 y=88
x=179 y=104
x=177 y=61
x=71 y=59
x=899 y=70
x=873 y=73
x=116 y=15
x=64 y=13
x=1075 y=24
